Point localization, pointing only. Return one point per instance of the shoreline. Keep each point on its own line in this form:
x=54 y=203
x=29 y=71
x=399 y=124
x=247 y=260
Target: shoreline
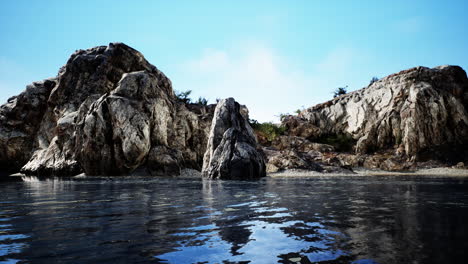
x=441 y=172
x=362 y=172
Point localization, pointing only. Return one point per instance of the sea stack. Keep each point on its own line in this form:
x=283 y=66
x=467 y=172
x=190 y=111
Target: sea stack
x=232 y=151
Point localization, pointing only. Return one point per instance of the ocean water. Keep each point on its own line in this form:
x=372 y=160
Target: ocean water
x=273 y=220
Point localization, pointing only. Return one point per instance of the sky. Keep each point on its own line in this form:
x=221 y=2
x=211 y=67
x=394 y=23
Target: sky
x=273 y=56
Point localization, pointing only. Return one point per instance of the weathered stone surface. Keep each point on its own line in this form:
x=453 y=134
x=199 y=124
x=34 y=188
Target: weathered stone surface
x=232 y=147
x=290 y=159
x=108 y=112
x=409 y=111
x=299 y=144
x=20 y=118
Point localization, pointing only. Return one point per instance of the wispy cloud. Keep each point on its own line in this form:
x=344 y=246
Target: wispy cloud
x=266 y=82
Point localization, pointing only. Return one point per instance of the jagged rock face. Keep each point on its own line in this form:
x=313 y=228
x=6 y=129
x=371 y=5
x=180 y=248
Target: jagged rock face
x=232 y=147
x=300 y=144
x=20 y=118
x=108 y=112
x=116 y=134
x=409 y=111
x=278 y=160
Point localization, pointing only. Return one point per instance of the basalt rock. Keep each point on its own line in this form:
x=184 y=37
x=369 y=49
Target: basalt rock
x=407 y=113
x=108 y=112
x=232 y=151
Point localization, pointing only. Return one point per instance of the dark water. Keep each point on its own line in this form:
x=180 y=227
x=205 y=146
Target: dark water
x=275 y=220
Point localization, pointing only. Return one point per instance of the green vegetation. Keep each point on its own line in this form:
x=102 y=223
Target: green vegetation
x=202 y=101
x=269 y=130
x=398 y=139
x=341 y=142
x=340 y=91
x=298 y=111
x=283 y=115
x=184 y=96
x=373 y=80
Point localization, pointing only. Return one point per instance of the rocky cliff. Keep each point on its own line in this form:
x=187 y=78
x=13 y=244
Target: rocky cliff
x=108 y=112
x=415 y=113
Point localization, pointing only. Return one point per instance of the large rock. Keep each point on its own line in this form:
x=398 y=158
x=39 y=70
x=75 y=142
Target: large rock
x=232 y=147
x=409 y=112
x=20 y=118
x=108 y=112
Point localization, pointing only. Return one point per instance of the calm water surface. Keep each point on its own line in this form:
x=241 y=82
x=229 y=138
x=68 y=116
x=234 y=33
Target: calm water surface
x=274 y=220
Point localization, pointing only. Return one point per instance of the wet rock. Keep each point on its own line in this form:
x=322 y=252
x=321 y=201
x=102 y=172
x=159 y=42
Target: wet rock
x=232 y=147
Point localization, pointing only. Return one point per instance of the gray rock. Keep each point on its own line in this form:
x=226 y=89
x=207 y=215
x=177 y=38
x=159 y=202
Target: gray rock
x=278 y=160
x=20 y=119
x=108 y=112
x=408 y=111
x=232 y=147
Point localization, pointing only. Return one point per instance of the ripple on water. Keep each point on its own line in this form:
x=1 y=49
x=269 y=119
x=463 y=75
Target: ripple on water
x=330 y=220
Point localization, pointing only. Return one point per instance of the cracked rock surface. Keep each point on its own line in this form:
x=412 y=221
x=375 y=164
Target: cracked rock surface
x=409 y=111
x=108 y=112
x=232 y=151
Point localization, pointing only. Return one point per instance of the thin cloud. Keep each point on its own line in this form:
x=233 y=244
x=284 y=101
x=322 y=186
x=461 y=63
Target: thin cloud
x=266 y=82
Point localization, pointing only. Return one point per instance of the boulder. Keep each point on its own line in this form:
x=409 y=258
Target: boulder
x=232 y=151
x=290 y=159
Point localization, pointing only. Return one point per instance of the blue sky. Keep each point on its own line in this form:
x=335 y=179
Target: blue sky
x=273 y=56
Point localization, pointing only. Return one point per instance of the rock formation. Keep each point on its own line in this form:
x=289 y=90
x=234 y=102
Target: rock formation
x=108 y=112
x=411 y=114
x=20 y=119
x=232 y=147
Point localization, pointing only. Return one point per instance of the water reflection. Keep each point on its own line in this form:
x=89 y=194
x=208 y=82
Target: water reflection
x=326 y=220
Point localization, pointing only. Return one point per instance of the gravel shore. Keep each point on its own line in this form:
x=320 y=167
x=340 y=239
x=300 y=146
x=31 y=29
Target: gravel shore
x=436 y=172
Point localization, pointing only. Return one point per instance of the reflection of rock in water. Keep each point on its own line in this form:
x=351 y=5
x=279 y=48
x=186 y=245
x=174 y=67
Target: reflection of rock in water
x=389 y=222
x=231 y=230
x=238 y=236
x=331 y=220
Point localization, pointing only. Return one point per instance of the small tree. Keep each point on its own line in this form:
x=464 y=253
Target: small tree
x=340 y=91
x=373 y=80
x=202 y=101
x=283 y=116
x=184 y=96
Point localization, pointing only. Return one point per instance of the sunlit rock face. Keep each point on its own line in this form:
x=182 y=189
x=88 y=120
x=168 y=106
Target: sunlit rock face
x=108 y=112
x=232 y=151
x=409 y=111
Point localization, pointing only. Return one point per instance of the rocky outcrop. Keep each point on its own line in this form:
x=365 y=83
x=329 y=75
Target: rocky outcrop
x=232 y=147
x=407 y=112
x=20 y=119
x=108 y=112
